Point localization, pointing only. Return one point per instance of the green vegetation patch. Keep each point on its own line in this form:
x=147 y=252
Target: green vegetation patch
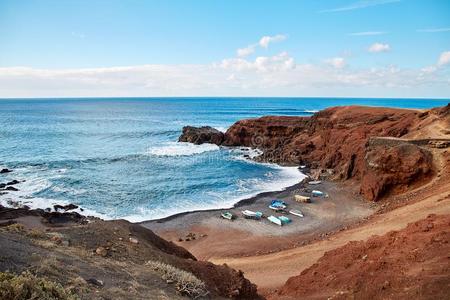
x=29 y=286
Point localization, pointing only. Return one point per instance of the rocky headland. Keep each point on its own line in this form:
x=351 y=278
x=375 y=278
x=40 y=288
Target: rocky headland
x=385 y=150
x=396 y=159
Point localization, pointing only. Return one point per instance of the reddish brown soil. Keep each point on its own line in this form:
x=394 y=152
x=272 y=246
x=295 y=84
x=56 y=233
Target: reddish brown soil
x=412 y=263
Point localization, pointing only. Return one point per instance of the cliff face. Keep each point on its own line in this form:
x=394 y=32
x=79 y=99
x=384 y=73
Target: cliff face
x=335 y=142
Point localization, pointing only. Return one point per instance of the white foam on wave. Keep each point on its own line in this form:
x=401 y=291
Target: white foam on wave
x=288 y=176
x=181 y=149
x=35 y=183
x=245 y=188
x=221 y=129
x=245 y=153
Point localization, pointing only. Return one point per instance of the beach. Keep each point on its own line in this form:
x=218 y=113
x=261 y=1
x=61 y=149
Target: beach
x=218 y=237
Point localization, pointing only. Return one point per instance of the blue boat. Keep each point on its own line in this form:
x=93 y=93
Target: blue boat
x=284 y=220
x=278 y=203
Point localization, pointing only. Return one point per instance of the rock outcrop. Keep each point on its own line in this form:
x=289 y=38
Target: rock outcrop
x=394 y=169
x=335 y=143
x=120 y=249
x=201 y=135
x=408 y=264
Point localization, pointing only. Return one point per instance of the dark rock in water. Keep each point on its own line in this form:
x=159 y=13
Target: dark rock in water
x=201 y=135
x=3 y=193
x=13 y=182
x=11 y=188
x=2 y=185
x=5 y=171
x=65 y=207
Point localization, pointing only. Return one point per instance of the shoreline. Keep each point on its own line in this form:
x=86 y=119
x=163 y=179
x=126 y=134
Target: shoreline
x=238 y=204
x=18 y=201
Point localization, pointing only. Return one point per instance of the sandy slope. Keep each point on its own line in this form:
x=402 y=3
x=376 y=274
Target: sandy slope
x=272 y=270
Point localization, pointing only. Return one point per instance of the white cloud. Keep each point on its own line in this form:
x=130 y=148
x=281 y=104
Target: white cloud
x=277 y=75
x=336 y=62
x=266 y=40
x=379 y=47
x=279 y=62
x=444 y=58
x=242 y=52
x=360 y=5
x=367 y=33
x=434 y=30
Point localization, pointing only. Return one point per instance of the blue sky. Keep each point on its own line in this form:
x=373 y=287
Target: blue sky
x=383 y=48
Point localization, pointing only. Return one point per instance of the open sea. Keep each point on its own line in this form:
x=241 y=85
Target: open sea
x=119 y=157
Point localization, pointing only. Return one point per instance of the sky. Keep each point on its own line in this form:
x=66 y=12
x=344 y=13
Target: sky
x=334 y=48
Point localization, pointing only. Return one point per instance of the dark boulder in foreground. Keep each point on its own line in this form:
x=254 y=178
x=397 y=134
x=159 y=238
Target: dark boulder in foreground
x=201 y=135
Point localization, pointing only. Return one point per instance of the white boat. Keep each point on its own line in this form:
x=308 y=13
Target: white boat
x=315 y=182
x=252 y=214
x=276 y=208
x=296 y=212
x=303 y=199
x=275 y=220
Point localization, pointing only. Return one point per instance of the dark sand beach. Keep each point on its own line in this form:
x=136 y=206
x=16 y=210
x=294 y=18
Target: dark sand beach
x=206 y=234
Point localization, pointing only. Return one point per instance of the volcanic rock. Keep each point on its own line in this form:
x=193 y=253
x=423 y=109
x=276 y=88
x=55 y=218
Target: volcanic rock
x=201 y=135
x=65 y=207
x=394 y=169
x=5 y=171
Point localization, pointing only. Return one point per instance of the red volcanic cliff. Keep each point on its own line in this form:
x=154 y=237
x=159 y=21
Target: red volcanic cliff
x=335 y=142
x=408 y=264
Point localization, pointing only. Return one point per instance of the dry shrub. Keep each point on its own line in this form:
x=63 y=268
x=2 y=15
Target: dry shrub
x=186 y=283
x=28 y=286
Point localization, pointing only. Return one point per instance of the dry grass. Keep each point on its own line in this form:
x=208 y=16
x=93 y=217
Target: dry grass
x=186 y=283
x=28 y=286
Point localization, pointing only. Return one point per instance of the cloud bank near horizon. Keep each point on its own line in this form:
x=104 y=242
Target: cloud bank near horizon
x=243 y=75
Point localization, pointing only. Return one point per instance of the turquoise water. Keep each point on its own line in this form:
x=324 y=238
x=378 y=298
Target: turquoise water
x=118 y=158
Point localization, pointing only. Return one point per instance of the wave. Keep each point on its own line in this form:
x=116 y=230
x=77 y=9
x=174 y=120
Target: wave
x=181 y=149
x=248 y=188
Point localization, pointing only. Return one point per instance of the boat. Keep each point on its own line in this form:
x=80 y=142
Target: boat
x=284 y=220
x=227 y=215
x=303 y=199
x=317 y=193
x=296 y=212
x=275 y=220
x=315 y=182
x=278 y=203
x=276 y=208
x=252 y=214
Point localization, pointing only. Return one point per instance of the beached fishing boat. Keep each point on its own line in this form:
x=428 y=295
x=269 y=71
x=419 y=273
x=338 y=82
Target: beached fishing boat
x=296 y=212
x=315 y=182
x=303 y=199
x=284 y=220
x=278 y=203
x=276 y=208
x=227 y=215
x=248 y=214
x=275 y=220
x=317 y=193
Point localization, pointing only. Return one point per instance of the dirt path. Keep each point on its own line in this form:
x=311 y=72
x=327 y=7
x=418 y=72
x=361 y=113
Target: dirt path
x=272 y=270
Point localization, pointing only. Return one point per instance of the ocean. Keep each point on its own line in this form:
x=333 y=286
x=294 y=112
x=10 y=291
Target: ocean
x=119 y=157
